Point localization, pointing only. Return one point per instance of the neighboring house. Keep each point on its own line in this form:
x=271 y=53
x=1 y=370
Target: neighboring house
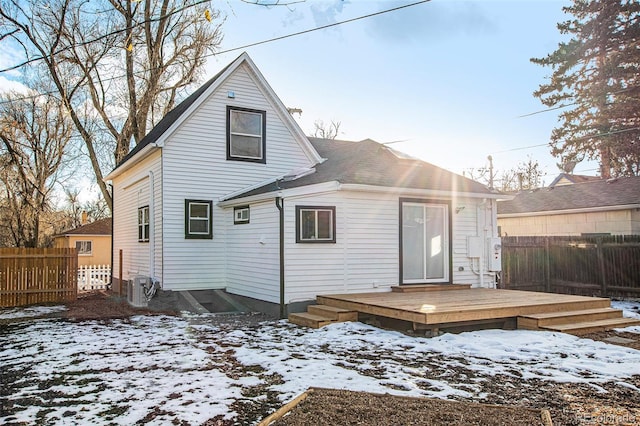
x=227 y=192
x=570 y=179
x=92 y=240
x=607 y=207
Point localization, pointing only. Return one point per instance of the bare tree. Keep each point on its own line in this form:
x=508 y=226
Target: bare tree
x=118 y=66
x=526 y=175
x=326 y=131
x=34 y=133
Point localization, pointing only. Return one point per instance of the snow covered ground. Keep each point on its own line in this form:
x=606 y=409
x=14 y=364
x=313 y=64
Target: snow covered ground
x=163 y=369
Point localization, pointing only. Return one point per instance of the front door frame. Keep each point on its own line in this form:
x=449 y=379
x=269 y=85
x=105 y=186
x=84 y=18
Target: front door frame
x=447 y=203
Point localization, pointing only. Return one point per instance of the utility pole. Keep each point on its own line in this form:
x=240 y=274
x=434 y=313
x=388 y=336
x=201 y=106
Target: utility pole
x=490 y=158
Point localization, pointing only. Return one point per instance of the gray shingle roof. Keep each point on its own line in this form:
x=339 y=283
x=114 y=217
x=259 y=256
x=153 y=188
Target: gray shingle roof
x=600 y=193
x=370 y=163
x=173 y=115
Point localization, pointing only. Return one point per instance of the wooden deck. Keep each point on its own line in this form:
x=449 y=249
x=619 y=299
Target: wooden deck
x=434 y=309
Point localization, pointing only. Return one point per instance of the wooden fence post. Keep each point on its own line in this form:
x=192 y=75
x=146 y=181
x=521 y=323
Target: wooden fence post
x=119 y=273
x=603 y=272
x=547 y=265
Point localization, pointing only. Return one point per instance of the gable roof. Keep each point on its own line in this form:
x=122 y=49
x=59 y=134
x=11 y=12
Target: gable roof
x=99 y=227
x=601 y=193
x=370 y=163
x=177 y=115
x=572 y=179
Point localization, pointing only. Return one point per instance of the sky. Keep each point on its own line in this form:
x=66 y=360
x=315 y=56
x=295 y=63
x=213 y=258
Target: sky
x=447 y=81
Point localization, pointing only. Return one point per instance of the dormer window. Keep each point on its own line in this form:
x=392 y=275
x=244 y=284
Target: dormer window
x=246 y=129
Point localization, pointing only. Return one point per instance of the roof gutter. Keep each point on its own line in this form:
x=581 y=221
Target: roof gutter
x=423 y=192
x=290 y=192
x=571 y=211
x=141 y=155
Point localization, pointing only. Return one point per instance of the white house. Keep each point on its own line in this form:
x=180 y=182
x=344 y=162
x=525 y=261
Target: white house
x=227 y=192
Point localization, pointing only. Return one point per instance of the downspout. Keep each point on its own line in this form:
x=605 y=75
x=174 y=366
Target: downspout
x=280 y=206
x=152 y=234
x=112 y=257
x=482 y=225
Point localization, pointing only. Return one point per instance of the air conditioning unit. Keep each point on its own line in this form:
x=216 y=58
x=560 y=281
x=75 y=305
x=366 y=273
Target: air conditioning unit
x=135 y=295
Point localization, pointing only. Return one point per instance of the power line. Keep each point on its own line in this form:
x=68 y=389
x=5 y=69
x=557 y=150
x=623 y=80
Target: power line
x=239 y=47
x=576 y=103
x=599 y=135
x=102 y=37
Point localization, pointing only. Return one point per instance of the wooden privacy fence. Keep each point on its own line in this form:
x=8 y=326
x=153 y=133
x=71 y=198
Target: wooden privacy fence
x=604 y=266
x=29 y=276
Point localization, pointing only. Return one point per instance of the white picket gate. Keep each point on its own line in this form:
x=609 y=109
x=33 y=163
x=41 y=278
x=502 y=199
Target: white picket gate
x=94 y=277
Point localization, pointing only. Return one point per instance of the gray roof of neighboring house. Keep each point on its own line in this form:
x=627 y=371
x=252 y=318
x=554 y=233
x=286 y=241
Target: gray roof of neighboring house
x=370 y=163
x=99 y=227
x=599 y=193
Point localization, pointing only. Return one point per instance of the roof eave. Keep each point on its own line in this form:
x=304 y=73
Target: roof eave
x=571 y=211
x=333 y=186
x=299 y=191
x=133 y=161
x=423 y=192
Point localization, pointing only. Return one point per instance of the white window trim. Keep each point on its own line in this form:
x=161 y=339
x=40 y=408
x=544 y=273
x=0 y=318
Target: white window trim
x=260 y=137
x=90 y=253
x=189 y=234
x=142 y=236
x=315 y=209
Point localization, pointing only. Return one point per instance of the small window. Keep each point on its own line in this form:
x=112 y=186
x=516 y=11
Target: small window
x=84 y=248
x=315 y=224
x=241 y=215
x=197 y=219
x=143 y=224
x=246 y=130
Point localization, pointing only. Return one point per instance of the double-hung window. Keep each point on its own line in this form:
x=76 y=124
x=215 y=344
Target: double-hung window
x=246 y=129
x=143 y=224
x=197 y=219
x=84 y=247
x=315 y=224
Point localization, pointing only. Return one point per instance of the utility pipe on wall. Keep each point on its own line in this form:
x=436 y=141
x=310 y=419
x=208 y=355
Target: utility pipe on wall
x=280 y=206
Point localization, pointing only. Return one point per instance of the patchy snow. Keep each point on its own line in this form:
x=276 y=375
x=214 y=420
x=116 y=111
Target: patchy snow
x=30 y=312
x=630 y=309
x=161 y=369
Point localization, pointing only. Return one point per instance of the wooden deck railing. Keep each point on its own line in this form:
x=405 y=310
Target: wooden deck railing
x=29 y=276
x=603 y=266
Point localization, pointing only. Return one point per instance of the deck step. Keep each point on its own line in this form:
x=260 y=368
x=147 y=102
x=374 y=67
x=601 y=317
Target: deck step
x=538 y=320
x=320 y=315
x=336 y=314
x=585 y=327
x=306 y=319
x=418 y=288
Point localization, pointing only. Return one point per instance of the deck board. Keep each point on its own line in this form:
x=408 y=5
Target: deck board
x=437 y=307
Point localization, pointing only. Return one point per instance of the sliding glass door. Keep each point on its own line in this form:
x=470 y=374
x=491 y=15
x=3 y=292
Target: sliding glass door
x=425 y=242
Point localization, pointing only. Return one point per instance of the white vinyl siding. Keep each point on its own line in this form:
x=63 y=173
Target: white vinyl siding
x=253 y=256
x=365 y=257
x=131 y=190
x=195 y=166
